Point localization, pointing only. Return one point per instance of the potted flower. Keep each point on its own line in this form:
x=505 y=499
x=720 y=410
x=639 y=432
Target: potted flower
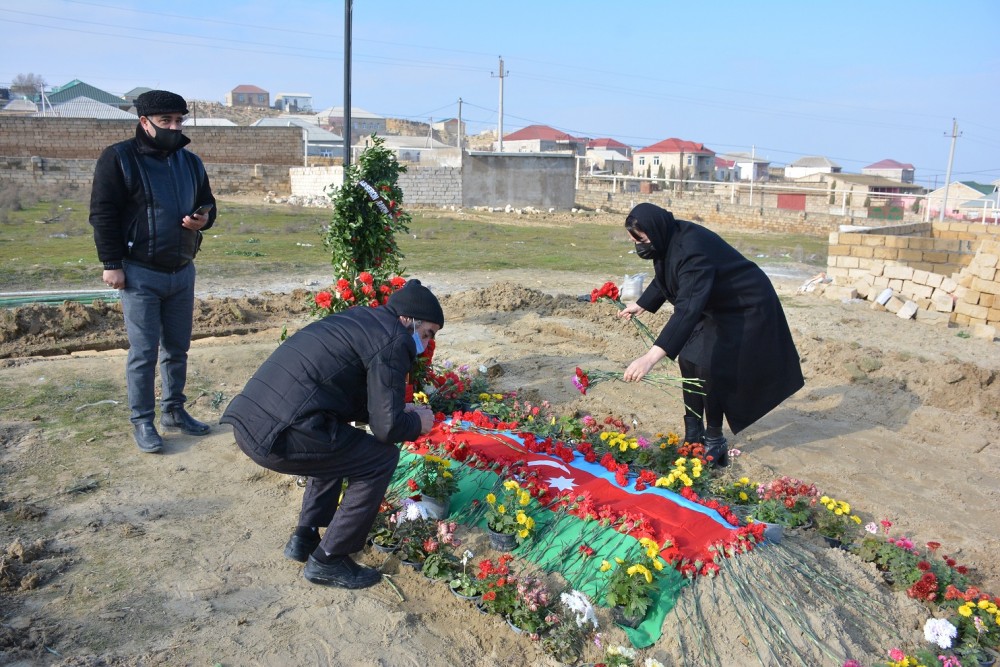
x=631 y=584
x=531 y=606
x=977 y=619
x=797 y=497
x=774 y=515
x=835 y=521
x=464 y=584
x=507 y=518
x=570 y=627
x=435 y=482
x=498 y=584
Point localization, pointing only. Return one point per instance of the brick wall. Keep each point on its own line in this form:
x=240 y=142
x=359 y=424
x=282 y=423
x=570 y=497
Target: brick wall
x=83 y=138
x=48 y=173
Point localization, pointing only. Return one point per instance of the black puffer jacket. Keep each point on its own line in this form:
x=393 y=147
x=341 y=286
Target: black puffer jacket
x=139 y=199
x=350 y=366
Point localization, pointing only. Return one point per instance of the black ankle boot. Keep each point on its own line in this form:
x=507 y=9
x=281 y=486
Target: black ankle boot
x=694 y=430
x=717 y=448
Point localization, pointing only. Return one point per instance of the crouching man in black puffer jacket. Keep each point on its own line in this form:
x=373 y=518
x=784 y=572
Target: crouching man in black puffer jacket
x=294 y=417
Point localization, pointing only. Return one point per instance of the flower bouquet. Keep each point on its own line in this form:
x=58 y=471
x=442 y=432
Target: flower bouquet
x=686 y=472
x=835 y=520
x=585 y=379
x=797 y=497
x=609 y=292
x=506 y=514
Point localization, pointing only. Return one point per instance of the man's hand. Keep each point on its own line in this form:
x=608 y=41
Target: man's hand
x=114 y=278
x=194 y=222
x=426 y=419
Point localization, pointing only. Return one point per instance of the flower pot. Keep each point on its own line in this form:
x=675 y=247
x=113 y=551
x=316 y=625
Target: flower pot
x=468 y=598
x=773 y=532
x=515 y=628
x=386 y=548
x=833 y=542
x=436 y=508
x=416 y=565
x=621 y=618
x=502 y=541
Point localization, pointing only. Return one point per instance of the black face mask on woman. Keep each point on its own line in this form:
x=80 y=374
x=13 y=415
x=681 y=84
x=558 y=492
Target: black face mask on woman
x=645 y=250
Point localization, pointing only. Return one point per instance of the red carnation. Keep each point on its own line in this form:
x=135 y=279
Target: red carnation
x=366 y=277
x=324 y=299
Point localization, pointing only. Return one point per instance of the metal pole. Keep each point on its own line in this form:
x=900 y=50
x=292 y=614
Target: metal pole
x=347 y=82
x=459 y=130
x=947 y=178
x=753 y=169
x=500 y=116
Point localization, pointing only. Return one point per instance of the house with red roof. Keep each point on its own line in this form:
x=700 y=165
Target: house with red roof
x=248 y=96
x=896 y=171
x=542 y=139
x=675 y=158
x=609 y=155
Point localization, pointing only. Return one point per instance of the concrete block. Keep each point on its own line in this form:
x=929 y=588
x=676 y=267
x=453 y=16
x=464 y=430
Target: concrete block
x=987 y=286
x=896 y=284
x=877 y=307
x=934 y=280
x=986 y=272
x=943 y=302
x=881 y=282
x=972 y=311
x=987 y=259
x=862 y=290
x=908 y=310
x=840 y=292
x=932 y=317
x=920 y=277
x=925 y=304
x=965 y=279
x=922 y=291
x=987 y=331
x=898 y=272
x=959 y=318
x=877 y=268
x=970 y=296
x=988 y=300
x=894 y=304
x=949 y=285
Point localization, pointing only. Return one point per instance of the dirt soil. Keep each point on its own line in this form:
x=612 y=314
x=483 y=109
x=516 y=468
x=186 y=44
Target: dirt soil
x=113 y=557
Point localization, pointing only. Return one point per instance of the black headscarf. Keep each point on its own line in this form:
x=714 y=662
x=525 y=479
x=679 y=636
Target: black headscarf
x=657 y=223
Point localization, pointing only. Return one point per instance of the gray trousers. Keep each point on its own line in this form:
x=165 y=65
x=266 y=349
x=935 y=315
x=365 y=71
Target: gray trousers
x=355 y=457
x=159 y=310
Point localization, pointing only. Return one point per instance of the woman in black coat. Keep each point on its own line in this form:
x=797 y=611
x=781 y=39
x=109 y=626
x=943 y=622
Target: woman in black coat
x=727 y=330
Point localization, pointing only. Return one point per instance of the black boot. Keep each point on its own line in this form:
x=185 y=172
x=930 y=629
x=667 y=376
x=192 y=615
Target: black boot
x=716 y=447
x=694 y=430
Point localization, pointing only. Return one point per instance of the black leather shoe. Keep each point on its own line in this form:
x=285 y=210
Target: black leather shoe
x=718 y=449
x=178 y=418
x=341 y=572
x=694 y=429
x=298 y=548
x=147 y=438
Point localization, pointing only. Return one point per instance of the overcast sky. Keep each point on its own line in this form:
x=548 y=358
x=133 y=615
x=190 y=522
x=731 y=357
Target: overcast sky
x=854 y=81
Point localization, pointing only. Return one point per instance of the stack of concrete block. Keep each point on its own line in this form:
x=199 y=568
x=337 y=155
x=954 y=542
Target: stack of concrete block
x=970 y=298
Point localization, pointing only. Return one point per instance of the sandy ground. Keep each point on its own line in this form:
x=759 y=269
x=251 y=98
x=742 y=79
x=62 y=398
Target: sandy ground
x=176 y=559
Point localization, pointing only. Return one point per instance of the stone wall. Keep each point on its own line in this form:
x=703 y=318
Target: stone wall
x=51 y=173
x=83 y=138
x=542 y=180
x=422 y=186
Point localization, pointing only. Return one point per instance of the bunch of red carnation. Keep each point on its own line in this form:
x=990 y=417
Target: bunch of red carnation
x=362 y=290
x=789 y=491
x=608 y=291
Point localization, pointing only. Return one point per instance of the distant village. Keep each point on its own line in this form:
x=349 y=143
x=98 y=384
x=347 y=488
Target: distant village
x=671 y=162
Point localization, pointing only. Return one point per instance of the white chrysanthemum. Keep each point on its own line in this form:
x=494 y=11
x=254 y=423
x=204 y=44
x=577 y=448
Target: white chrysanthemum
x=580 y=605
x=940 y=631
x=413 y=511
x=652 y=662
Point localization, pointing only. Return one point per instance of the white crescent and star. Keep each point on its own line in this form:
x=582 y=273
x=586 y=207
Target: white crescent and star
x=562 y=482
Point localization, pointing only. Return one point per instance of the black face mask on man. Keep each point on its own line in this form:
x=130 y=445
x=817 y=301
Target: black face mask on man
x=166 y=139
x=645 y=250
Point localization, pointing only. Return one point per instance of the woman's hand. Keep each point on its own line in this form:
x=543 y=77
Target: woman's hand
x=630 y=310
x=641 y=366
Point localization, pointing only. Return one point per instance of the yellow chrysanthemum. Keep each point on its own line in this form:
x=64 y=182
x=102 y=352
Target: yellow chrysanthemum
x=605 y=566
x=491 y=499
x=521 y=517
x=484 y=396
x=501 y=509
x=420 y=397
x=658 y=564
x=523 y=533
x=511 y=485
x=524 y=498
x=965 y=610
x=743 y=496
x=745 y=481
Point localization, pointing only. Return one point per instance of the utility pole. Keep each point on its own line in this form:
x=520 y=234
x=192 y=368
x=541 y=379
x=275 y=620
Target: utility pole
x=947 y=179
x=458 y=131
x=753 y=169
x=501 y=76
x=347 y=82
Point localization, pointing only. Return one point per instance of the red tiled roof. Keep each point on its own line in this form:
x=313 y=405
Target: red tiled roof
x=608 y=143
x=246 y=88
x=889 y=164
x=543 y=132
x=674 y=145
x=724 y=164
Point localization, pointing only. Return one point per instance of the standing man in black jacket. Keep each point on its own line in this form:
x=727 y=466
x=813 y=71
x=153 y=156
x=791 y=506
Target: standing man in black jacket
x=295 y=417
x=150 y=200
x=727 y=329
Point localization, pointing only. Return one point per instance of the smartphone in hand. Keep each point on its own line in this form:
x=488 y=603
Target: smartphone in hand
x=203 y=209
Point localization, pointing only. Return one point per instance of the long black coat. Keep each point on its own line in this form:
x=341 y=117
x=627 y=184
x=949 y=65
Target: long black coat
x=350 y=366
x=727 y=317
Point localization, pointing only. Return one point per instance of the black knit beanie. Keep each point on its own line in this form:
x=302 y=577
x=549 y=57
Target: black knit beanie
x=154 y=102
x=416 y=301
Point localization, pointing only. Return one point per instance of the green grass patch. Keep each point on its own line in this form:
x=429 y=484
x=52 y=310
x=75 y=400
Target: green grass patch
x=49 y=245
